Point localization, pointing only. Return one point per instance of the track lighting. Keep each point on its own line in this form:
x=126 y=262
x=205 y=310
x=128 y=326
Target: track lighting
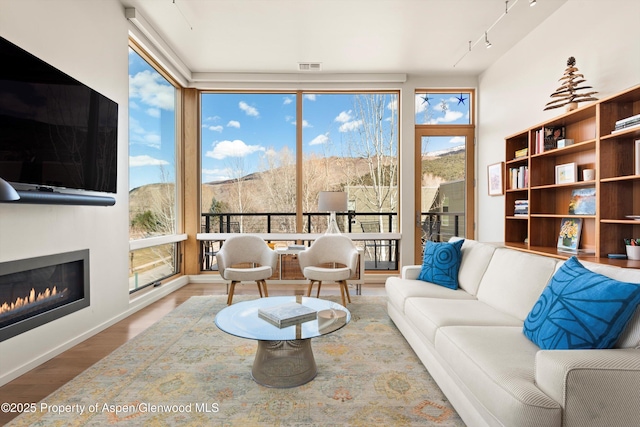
x=486 y=41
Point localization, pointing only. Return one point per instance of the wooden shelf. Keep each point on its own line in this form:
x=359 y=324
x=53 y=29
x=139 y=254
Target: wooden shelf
x=617 y=184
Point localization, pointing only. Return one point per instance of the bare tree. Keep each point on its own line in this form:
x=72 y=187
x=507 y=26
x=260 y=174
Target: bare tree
x=375 y=141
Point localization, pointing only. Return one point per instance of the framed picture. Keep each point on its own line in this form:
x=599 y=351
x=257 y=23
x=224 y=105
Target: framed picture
x=583 y=201
x=569 y=236
x=496 y=181
x=566 y=173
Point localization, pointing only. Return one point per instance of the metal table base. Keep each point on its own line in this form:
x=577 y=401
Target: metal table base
x=284 y=364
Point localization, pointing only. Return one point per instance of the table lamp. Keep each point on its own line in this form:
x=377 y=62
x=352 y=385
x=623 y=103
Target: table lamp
x=332 y=201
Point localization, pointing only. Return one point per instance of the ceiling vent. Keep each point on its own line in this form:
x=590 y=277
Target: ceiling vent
x=309 y=66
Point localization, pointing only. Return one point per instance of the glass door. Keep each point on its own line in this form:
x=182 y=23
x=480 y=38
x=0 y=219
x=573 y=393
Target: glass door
x=444 y=184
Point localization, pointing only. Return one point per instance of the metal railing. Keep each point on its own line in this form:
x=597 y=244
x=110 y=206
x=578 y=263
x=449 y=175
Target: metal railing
x=381 y=255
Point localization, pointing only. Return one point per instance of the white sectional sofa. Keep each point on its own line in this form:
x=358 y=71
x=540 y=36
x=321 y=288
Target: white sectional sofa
x=471 y=341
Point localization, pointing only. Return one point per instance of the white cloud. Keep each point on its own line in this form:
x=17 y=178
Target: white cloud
x=305 y=124
x=287 y=101
x=214 y=175
x=212 y=119
x=153 y=112
x=139 y=135
x=320 y=139
x=152 y=90
x=449 y=116
x=350 y=126
x=145 y=160
x=217 y=128
x=236 y=148
x=233 y=124
x=248 y=109
x=310 y=96
x=457 y=140
x=393 y=105
x=343 y=117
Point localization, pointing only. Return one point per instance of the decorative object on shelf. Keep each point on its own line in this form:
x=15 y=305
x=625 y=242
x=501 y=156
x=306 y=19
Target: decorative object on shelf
x=523 y=152
x=583 y=201
x=566 y=93
x=496 y=182
x=332 y=202
x=633 y=248
x=588 y=174
x=569 y=237
x=566 y=173
x=564 y=142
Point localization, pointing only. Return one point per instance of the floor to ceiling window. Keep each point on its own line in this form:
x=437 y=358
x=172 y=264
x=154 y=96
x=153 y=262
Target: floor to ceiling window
x=444 y=165
x=152 y=172
x=266 y=156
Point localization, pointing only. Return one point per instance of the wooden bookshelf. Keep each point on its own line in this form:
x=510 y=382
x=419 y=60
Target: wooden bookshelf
x=617 y=184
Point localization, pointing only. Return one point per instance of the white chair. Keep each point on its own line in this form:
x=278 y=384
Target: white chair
x=320 y=262
x=251 y=250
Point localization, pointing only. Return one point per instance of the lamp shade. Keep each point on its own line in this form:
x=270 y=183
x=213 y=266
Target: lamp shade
x=7 y=192
x=332 y=201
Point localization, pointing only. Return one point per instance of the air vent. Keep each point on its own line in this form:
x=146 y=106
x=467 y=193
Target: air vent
x=309 y=66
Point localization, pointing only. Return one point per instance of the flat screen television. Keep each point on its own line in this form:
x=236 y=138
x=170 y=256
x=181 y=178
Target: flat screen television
x=55 y=132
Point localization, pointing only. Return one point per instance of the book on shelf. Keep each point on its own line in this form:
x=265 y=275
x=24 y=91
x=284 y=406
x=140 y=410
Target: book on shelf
x=547 y=138
x=519 y=177
x=288 y=314
x=637 y=156
x=523 y=152
x=627 y=121
x=624 y=128
x=521 y=207
x=586 y=251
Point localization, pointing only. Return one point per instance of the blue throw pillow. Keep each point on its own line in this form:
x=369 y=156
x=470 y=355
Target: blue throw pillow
x=441 y=263
x=581 y=309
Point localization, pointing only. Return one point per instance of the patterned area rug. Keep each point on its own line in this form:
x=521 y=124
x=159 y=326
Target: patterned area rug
x=183 y=371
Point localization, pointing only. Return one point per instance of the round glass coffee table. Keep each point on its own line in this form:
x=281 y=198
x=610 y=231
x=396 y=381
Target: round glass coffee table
x=284 y=357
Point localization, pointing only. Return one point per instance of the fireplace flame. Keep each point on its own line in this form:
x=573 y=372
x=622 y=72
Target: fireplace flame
x=22 y=302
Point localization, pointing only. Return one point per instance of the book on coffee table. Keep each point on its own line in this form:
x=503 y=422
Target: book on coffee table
x=288 y=314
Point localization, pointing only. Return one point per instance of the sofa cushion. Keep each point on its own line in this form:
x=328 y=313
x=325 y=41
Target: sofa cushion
x=581 y=309
x=514 y=281
x=441 y=263
x=398 y=290
x=496 y=364
x=429 y=314
x=475 y=260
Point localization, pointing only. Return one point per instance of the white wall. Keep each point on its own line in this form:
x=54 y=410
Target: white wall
x=602 y=36
x=87 y=40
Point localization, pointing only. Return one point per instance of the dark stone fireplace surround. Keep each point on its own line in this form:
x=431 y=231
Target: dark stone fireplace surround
x=68 y=272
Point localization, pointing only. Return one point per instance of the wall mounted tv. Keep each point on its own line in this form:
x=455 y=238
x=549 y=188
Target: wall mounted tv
x=55 y=132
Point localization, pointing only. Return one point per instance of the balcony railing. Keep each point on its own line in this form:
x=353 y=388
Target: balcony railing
x=380 y=254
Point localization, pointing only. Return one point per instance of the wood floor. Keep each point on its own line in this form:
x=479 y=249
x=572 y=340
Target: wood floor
x=38 y=383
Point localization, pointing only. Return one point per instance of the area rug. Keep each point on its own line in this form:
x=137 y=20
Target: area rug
x=183 y=371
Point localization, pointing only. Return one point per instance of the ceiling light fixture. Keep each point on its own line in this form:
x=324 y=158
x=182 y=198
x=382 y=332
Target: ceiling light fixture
x=483 y=37
x=532 y=3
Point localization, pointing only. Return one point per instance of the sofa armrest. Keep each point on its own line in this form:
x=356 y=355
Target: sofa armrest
x=410 y=272
x=594 y=387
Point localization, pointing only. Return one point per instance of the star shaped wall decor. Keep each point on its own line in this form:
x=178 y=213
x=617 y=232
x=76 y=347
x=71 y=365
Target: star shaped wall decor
x=426 y=98
x=461 y=99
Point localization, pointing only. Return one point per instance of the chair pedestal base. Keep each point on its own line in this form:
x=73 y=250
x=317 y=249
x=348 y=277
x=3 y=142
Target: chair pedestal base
x=284 y=364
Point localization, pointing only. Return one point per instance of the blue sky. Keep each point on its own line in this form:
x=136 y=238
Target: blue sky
x=240 y=129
